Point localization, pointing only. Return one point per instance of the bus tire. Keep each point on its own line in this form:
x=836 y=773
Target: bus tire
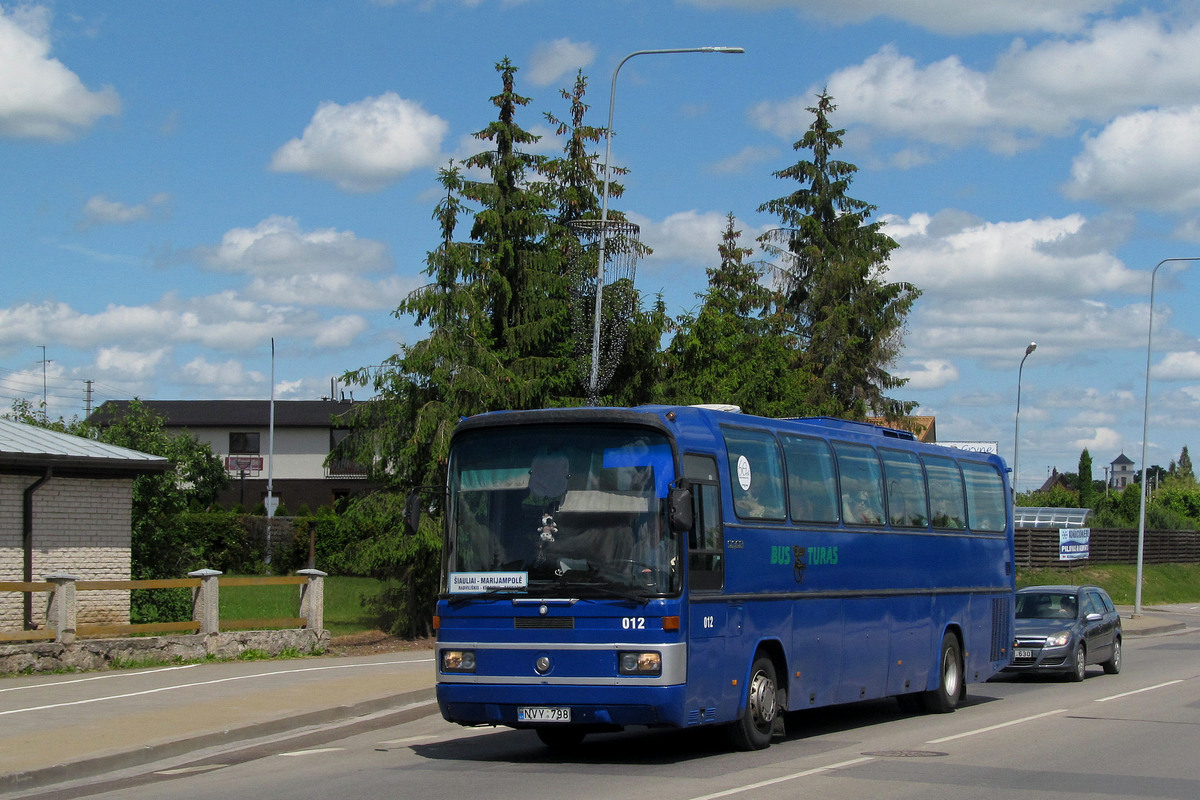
x=753 y=730
x=945 y=697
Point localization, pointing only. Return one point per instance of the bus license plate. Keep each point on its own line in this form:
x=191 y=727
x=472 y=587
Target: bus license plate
x=1023 y=653
x=543 y=714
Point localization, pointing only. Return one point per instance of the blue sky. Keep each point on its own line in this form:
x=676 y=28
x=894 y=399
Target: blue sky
x=185 y=181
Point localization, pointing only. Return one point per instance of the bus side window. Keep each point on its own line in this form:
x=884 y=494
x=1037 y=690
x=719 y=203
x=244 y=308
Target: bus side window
x=755 y=474
x=907 y=506
x=986 y=509
x=706 y=540
x=861 y=482
x=812 y=480
x=947 y=505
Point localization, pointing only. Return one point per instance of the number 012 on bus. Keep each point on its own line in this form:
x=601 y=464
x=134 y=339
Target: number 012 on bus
x=682 y=566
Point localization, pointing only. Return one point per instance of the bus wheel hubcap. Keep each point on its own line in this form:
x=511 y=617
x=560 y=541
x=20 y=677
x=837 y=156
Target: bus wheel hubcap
x=762 y=699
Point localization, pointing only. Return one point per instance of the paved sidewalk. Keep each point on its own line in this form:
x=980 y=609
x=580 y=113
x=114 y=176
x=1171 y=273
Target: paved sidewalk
x=57 y=728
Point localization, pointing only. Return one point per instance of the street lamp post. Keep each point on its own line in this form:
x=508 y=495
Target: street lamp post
x=1137 y=591
x=1017 y=426
x=594 y=383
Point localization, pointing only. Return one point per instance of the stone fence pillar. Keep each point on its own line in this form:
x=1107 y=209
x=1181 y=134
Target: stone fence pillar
x=206 y=607
x=60 y=611
x=312 y=599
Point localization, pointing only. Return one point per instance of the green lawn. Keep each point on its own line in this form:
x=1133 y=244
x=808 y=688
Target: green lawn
x=1161 y=583
x=344 y=612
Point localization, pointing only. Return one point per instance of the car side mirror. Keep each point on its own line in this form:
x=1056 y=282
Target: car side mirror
x=1094 y=617
x=679 y=508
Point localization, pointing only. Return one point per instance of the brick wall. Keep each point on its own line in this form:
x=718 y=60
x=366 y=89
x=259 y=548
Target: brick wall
x=81 y=527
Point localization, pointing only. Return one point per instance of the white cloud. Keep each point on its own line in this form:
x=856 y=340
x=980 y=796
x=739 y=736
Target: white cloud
x=99 y=210
x=690 y=236
x=1183 y=366
x=278 y=247
x=931 y=373
x=127 y=363
x=550 y=61
x=227 y=375
x=942 y=16
x=339 y=331
x=40 y=98
x=745 y=159
x=956 y=256
x=332 y=289
x=364 y=146
x=1116 y=67
x=1148 y=159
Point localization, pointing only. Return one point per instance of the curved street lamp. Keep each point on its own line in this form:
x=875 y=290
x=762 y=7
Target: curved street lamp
x=1137 y=592
x=1017 y=427
x=593 y=384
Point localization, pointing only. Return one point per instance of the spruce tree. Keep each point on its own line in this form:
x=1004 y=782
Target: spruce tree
x=1184 y=468
x=735 y=349
x=849 y=320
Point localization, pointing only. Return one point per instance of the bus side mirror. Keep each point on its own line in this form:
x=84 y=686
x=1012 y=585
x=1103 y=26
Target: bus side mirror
x=679 y=507
x=412 y=513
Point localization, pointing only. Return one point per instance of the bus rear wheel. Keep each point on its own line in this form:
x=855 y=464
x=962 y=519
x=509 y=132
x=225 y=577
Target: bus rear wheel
x=753 y=730
x=950 y=688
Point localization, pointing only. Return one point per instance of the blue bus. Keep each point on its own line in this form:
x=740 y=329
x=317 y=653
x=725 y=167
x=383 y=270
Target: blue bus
x=688 y=566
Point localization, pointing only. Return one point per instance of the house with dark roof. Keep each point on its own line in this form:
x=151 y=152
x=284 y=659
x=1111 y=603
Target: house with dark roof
x=1122 y=473
x=295 y=459
x=65 y=508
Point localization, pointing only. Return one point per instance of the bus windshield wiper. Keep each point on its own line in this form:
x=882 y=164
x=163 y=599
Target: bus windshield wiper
x=612 y=590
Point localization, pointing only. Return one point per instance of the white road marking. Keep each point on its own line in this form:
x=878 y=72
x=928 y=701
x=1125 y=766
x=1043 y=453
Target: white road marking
x=209 y=683
x=73 y=681
x=1138 y=691
x=312 y=752
x=997 y=727
x=814 y=771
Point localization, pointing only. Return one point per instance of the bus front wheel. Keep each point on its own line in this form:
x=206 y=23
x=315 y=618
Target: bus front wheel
x=753 y=730
x=944 y=698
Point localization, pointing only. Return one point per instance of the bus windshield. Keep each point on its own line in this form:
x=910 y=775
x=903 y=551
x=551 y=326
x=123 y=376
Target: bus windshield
x=557 y=511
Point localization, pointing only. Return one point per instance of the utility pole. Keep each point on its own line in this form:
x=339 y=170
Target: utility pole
x=44 y=363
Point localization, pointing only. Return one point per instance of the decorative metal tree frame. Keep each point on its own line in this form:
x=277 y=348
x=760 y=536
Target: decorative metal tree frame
x=618 y=298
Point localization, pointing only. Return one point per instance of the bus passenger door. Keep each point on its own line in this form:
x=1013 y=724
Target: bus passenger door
x=710 y=620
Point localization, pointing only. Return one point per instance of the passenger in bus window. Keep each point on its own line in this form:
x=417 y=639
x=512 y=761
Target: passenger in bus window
x=859 y=510
x=653 y=552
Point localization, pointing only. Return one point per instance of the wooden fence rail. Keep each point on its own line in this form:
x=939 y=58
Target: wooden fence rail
x=59 y=622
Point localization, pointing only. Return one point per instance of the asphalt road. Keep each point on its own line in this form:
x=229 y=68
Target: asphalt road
x=1132 y=735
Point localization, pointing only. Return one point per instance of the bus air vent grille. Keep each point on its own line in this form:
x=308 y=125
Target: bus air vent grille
x=557 y=623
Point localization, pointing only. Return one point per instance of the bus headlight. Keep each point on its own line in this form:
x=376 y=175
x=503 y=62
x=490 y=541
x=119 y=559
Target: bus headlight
x=633 y=662
x=458 y=661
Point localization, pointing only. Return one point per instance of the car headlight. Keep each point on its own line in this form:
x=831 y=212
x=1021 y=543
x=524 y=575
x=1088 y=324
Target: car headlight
x=1058 y=639
x=458 y=661
x=632 y=662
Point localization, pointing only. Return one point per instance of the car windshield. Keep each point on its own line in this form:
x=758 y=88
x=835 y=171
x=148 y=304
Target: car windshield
x=1046 y=605
x=557 y=511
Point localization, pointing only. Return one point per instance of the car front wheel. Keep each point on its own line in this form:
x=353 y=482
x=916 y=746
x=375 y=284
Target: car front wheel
x=1078 y=664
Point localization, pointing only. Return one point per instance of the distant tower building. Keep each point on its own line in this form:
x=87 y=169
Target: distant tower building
x=1122 y=472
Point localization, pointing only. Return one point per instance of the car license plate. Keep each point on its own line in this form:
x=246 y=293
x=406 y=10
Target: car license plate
x=543 y=714
x=1023 y=653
